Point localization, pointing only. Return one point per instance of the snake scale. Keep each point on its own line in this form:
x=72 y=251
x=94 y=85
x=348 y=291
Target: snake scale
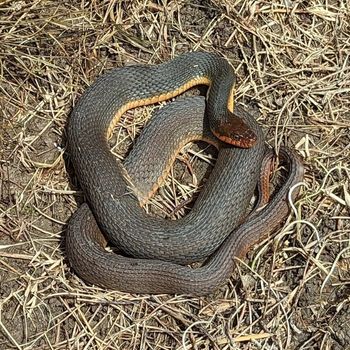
x=158 y=246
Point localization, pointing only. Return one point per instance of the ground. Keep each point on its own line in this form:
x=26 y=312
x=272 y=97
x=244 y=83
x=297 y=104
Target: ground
x=292 y=64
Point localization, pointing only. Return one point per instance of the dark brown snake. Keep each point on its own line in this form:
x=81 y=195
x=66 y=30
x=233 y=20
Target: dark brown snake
x=237 y=170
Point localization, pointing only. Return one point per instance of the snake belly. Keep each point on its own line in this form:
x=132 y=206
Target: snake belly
x=223 y=202
x=85 y=243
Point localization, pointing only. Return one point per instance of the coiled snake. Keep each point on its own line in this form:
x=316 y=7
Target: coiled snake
x=158 y=245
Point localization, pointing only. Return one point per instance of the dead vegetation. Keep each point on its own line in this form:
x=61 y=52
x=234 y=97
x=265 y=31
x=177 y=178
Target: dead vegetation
x=292 y=63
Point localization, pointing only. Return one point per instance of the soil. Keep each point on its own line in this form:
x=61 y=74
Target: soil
x=291 y=61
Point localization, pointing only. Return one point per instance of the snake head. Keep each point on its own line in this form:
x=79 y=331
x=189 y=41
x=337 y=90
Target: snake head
x=235 y=131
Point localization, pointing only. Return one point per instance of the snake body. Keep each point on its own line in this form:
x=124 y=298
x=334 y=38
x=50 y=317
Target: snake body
x=223 y=202
x=185 y=118
x=110 y=270
x=213 y=227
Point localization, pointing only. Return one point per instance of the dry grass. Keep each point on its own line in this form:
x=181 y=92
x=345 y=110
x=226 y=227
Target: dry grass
x=293 y=63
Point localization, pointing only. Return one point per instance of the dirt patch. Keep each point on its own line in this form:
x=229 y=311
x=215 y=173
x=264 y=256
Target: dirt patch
x=291 y=61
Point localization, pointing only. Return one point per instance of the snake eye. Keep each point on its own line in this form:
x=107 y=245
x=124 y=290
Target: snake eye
x=236 y=137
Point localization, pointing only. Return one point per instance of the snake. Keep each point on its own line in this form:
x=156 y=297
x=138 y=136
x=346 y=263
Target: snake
x=85 y=243
x=111 y=194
